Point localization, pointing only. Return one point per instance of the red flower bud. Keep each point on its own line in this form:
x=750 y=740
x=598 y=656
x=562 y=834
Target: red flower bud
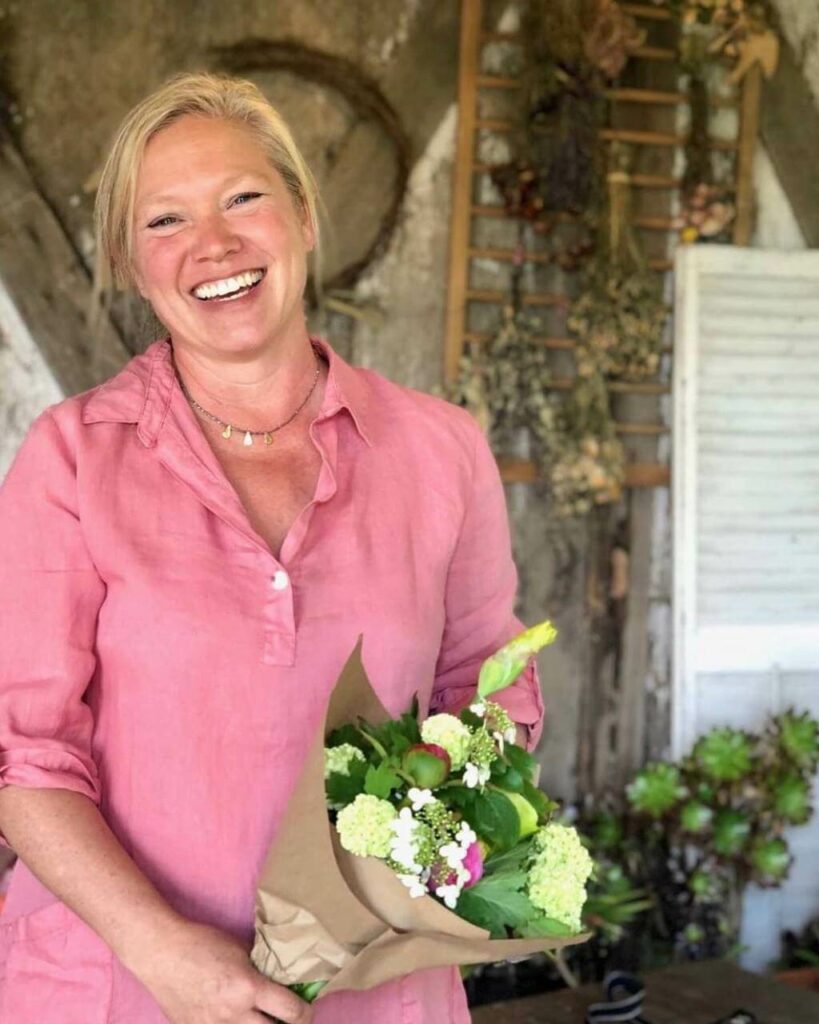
x=428 y=764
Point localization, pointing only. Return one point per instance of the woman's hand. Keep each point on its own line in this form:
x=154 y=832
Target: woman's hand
x=200 y=975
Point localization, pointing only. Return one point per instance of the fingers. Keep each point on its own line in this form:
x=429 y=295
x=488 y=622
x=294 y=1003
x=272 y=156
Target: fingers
x=276 y=1003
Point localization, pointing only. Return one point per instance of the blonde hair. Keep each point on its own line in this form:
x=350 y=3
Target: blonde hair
x=205 y=95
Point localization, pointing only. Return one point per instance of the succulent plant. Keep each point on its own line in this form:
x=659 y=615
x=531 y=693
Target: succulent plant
x=771 y=860
x=656 y=789
x=695 y=816
x=724 y=755
x=606 y=831
x=731 y=831
x=791 y=797
x=798 y=737
x=703 y=886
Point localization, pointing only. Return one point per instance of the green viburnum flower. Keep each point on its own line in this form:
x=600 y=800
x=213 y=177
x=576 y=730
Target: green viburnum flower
x=656 y=789
x=482 y=749
x=338 y=759
x=448 y=732
x=497 y=720
x=558 y=873
x=364 y=826
x=724 y=754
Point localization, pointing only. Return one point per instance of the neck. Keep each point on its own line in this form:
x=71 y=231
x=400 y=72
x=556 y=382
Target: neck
x=255 y=390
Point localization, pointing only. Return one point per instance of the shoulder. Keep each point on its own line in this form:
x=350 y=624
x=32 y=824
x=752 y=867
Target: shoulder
x=405 y=417
x=119 y=399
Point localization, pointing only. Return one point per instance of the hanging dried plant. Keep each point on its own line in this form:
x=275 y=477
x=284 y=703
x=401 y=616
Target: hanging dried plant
x=506 y=384
x=589 y=467
x=611 y=38
x=618 y=321
x=707 y=215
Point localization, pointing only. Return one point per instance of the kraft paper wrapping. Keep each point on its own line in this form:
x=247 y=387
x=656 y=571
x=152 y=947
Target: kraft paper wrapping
x=323 y=914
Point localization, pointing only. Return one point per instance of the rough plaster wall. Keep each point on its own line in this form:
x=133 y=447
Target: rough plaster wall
x=26 y=383
x=799 y=20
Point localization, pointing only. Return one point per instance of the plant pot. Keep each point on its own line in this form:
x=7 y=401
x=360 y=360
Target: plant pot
x=801 y=977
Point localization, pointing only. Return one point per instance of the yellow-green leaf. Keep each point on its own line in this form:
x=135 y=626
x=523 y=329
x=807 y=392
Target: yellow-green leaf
x=503 y=668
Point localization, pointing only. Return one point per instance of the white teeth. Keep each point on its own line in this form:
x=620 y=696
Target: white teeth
x=228 y=285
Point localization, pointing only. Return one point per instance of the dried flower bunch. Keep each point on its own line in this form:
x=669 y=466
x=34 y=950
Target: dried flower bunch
x=611 y=38
x=506 y=384
x=588 y=472
x=707 y=214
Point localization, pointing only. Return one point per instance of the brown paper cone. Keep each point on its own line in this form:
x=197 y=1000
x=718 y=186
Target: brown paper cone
x=323 y=914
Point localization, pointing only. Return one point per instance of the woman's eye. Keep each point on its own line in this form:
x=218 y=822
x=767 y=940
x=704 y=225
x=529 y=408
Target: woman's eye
x=163 y=222
x=245 y=197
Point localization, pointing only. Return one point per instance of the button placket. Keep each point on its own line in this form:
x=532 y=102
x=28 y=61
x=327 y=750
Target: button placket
x=280 y=620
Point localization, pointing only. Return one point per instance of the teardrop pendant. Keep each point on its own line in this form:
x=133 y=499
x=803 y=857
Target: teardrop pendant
x=268 y=438
x=248 y=439
x=226 y=432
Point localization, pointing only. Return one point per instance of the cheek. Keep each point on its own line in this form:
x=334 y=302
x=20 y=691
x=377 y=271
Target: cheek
x=157 y=264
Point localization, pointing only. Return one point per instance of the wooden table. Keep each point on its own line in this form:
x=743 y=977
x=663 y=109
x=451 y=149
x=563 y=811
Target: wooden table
x=687 y=994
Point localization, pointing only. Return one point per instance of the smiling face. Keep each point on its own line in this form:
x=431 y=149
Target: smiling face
x=219 y=244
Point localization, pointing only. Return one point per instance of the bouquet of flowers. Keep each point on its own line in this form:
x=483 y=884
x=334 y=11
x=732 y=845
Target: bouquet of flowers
x=410 y=845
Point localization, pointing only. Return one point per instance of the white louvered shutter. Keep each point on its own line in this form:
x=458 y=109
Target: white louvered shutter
x=746 y=519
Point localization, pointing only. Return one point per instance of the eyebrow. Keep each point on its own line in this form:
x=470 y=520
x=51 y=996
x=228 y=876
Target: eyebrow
x=170 y=198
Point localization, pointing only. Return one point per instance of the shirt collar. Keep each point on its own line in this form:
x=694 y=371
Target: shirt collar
x=141 y=393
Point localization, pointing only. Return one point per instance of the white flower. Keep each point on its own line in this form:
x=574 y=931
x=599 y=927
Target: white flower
x=415 y=885
x=403 y=853
x=453 y=854
x=404 y=826
x=479 y=708
x=420 y=797
x=498 y=738
x=449 y=894
x=511 y=735
x=465 y=836
x=475 y=775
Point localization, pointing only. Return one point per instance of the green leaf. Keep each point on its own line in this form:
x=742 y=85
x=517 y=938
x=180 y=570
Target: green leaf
x=343 y=789
x=495 y=818
x=470 y=719
x=348 y=734
x=520 y=759
x=512 y=781
x=542 y=804
x=497 y=903
x=380 y=781
x=547 y=927
x=461 y=797
x=507 y=861
x=502 y=668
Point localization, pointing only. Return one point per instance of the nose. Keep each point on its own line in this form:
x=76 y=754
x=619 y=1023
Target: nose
x=215 y=240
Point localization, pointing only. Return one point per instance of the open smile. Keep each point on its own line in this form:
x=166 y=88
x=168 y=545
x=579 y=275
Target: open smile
x=228 y=288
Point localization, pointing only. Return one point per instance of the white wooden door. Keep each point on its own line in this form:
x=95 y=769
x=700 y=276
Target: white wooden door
x=746 y=519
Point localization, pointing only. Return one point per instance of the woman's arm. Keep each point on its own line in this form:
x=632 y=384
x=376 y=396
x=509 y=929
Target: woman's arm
x=197 y=974
x=480 y=596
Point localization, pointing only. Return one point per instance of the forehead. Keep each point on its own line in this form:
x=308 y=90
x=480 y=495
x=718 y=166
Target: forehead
x=198 y=151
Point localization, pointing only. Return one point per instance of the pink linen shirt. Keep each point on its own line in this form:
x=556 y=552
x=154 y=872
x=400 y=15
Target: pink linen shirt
x=156 y=657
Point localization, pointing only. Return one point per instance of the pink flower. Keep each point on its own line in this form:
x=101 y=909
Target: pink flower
x=473 y=862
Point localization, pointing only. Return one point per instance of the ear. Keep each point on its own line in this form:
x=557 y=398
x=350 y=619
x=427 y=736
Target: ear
x=308 y=231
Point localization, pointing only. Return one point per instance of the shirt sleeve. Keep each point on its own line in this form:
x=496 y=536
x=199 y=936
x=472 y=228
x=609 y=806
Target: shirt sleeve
x=480 y=595
x=50 y=595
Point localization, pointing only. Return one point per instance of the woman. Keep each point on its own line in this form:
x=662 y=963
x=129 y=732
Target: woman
x=187 y=556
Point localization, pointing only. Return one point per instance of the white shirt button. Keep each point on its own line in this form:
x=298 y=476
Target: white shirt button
x=280 y=580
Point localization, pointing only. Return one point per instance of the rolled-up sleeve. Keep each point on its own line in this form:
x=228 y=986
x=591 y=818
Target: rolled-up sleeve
x=50 y=595
x=480 y=594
